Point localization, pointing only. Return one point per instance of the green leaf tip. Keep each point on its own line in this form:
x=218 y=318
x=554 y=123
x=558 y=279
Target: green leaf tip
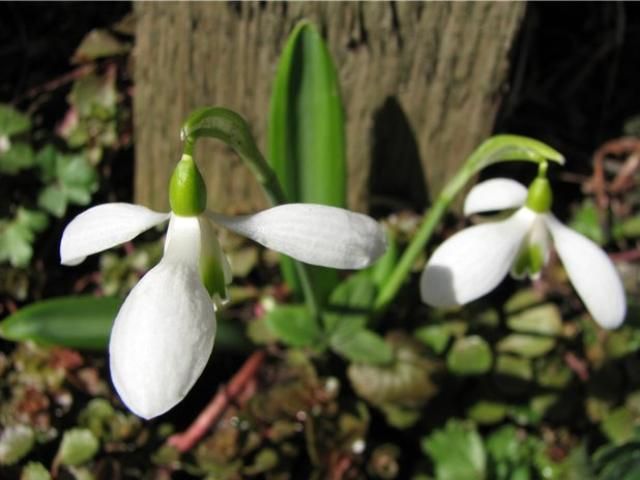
x=305 y=136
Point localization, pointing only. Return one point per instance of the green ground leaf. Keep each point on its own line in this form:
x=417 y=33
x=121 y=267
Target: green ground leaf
x=486 y=412
x=35 y=471
x=586 y=220
x=294 y=325
x=457 y=452
x=12 y=122
x=362 y=346
x=94 y=95
x=78 y=446
x=618 y=462
x=541 y=320
x=618 y=425
x=627 y=228
x=15 y=442
x=72 y=180
x=528 y=346
x=470 y=356
x=18 y=157
x=405 y=383
x=53 y=200
x=17 y=236
x=99 y=43
x=352 y=299
x=306 y=140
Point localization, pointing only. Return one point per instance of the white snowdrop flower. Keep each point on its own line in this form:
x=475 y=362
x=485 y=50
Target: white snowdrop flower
x=163 y=334
x=474 y=261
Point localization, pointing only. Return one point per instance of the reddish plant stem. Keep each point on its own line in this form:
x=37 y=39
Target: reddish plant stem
x=184 y=441
x=341 y=468
x=56 y=83
x=626 y=256
x=578 y=365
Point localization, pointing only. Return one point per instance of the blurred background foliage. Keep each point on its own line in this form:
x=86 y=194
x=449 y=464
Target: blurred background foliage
x=519 y=385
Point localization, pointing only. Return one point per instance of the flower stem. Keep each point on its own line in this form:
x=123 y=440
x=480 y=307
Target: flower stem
x=499 y=148
x=231 y=128
x=432 y=218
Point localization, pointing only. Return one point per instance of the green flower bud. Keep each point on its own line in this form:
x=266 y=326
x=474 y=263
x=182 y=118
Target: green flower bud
x=187 y=190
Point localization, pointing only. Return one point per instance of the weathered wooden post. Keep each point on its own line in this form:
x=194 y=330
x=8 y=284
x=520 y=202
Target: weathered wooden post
x=420 y=80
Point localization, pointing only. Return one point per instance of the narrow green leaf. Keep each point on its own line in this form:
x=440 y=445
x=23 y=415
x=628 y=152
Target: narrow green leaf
x=306 y=142
x=381 y=270
x=294 y=325
x=78 y=322
x=84 y=322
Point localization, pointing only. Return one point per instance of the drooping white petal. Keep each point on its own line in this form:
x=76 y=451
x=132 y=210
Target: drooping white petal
x=161 y=339
x=314 y=234
x=495 y=194
x=473 y=261
x=163 y=335
x=103 y=227
x=592 y=274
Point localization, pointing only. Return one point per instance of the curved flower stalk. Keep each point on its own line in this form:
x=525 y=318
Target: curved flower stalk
x=164 y=332
x=474 y=261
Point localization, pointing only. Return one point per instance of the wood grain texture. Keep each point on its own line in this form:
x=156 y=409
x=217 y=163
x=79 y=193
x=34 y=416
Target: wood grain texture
x=421 y=84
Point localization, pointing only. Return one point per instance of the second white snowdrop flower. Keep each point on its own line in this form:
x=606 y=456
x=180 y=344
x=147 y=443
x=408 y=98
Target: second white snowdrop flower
x=474 y=261
x=164 y=332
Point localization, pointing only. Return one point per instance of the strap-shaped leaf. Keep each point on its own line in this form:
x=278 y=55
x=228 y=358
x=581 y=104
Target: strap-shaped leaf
x=84 y=322
x=306 y=142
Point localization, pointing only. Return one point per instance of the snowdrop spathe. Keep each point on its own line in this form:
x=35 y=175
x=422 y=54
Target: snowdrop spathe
x=475 y=260
x=163 y=334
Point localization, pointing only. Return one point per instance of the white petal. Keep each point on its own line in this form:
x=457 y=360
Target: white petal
x=103 y=227
x=314 y=234
x=161 y=339
x=474 y=261
x=592 y=274
x=182 y=244
x=495 y=194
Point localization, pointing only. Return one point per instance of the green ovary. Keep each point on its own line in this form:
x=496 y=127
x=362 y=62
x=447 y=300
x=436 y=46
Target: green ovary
x=187 y=190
